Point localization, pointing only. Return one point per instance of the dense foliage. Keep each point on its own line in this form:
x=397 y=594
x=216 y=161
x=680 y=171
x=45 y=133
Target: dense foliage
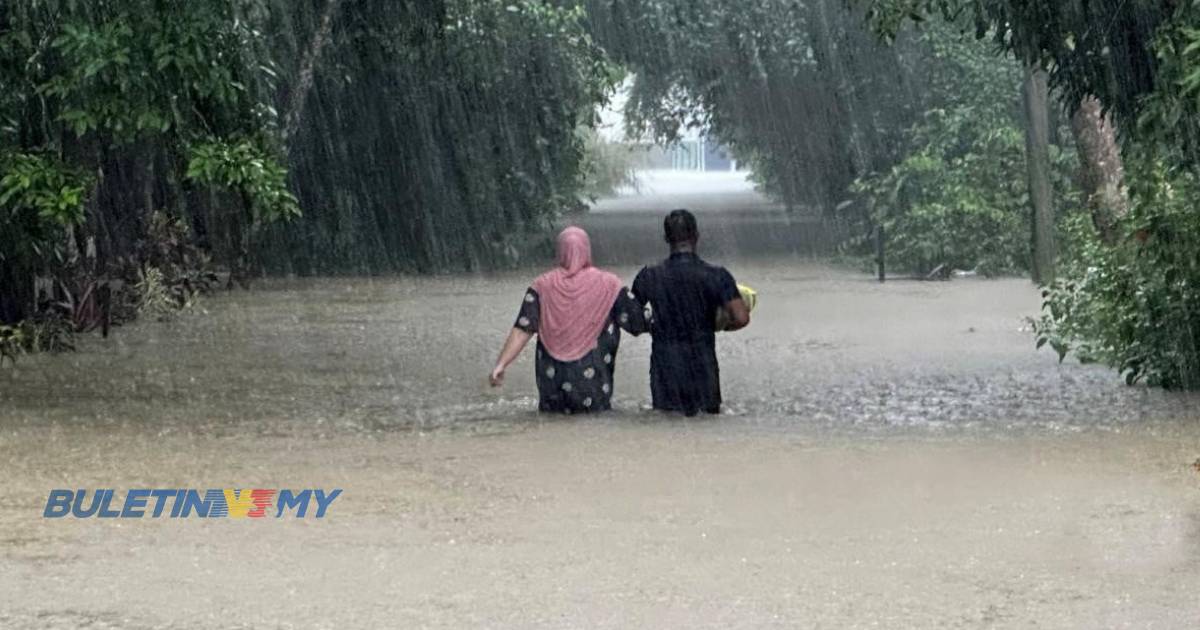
x=141 y=140
x=802 y=92
x=415 y=135
x=1101 y=48
x=922 y=138
x=1135 y=304
x=958 y=201
x=104 y=106
x=1126 y=295
x=439 y=135
x=958 y=196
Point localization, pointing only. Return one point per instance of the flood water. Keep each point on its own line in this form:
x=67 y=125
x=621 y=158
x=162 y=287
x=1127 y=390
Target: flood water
x=892 y=456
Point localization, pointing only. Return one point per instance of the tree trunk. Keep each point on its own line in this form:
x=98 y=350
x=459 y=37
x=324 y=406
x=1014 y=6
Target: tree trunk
x=308 y=67
x=1102 y=171
x=1041 y=195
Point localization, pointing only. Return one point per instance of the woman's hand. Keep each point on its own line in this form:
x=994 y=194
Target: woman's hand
x=496 y=378
x=513 y=346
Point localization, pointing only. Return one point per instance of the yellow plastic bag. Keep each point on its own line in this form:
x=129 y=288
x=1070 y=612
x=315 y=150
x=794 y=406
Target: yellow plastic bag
x=749 y=296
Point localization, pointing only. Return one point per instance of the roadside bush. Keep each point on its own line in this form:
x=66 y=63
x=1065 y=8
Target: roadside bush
x=47 y=332
x=960 y=200
x=156 y=299
x=1134 y=305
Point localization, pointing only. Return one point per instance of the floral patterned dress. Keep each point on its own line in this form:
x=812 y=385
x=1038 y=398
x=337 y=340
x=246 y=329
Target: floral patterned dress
x=584 y=385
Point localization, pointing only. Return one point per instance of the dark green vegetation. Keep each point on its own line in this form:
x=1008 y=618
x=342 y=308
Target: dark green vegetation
x=984 y=137
x=143 y=146
x=918 y=144
x=803 y=92
x=437 y=135
x=958 y=197
x=414 y=135
x=1126 y=293
x=110 y=113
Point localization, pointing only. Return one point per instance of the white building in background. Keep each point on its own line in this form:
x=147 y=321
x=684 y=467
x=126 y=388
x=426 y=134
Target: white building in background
x=693 y=152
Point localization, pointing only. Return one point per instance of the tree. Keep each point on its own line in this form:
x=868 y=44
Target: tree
x=304 y=80
x=802 y=92
x=105 y=106
x=1102 y=170
x=437 y=135
x=1041 y=192
x=1127 y=295
x=958 y=197
x=421 y=134
x=1111 y=50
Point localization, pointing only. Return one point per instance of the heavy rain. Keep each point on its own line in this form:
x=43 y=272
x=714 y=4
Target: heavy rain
x=408 y=314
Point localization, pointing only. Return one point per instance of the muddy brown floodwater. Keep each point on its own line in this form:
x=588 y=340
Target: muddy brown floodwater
x=894 y=456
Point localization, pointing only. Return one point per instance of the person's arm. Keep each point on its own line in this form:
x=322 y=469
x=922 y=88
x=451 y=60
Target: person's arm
x=641 y=296
x=523 y=330
x=516 y=342
x=640 y=283
x=731 y=301
x=630 y=314
x=739 y=314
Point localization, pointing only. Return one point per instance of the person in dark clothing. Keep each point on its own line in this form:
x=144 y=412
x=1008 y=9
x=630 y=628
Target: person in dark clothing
x=685 y=294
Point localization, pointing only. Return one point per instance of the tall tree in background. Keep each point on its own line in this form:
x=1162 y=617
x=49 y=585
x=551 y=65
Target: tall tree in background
x=1041 y=192
x=802 y=92
x=957 y=197
x=304 y=79
x=1126 y=295
x=436 y=134
x=421 y=134
x=1106 y=49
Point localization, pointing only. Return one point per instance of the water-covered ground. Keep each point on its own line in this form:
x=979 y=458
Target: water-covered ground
x=893 y=456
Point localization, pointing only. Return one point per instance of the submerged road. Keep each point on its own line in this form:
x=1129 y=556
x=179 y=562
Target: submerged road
x=737 y=222
x=892 y=456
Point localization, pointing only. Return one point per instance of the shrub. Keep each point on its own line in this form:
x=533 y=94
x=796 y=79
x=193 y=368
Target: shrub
x=1134 y=305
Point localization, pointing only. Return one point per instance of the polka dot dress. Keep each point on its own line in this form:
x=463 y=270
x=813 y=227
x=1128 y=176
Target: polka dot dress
x=584 y=385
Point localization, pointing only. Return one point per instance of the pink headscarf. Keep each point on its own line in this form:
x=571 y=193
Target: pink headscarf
x=576 y=298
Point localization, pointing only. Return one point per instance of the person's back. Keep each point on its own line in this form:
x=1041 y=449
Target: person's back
x=577 y=312
x=685 y=294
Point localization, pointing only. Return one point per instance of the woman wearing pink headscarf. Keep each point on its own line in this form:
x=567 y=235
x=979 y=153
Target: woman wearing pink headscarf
x=577 y=311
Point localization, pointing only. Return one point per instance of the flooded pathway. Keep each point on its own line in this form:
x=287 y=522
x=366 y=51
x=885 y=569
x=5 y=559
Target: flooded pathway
x=893 y=456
